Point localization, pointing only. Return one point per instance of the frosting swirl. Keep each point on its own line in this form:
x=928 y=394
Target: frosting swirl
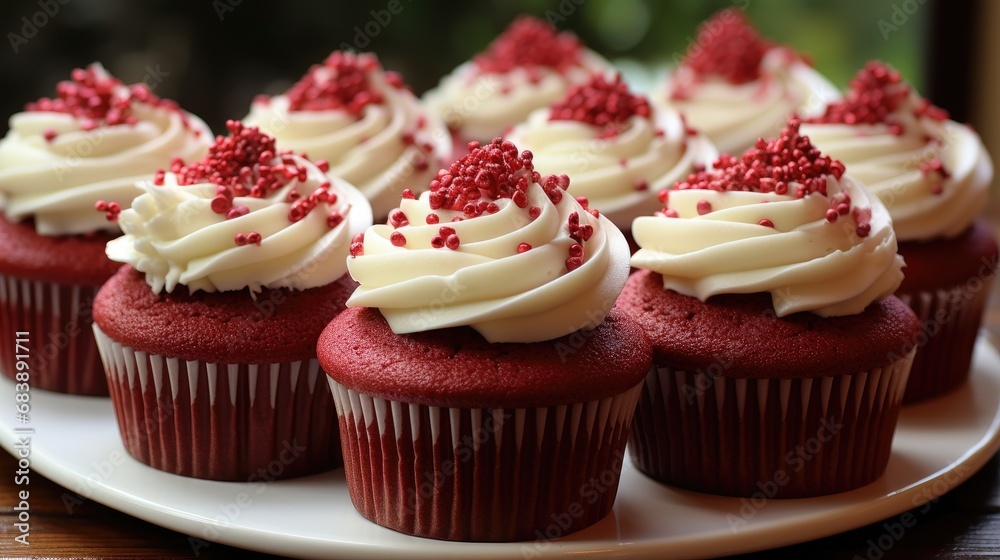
x=932 y=173
x=527 y=67
x=736 y=87
x=816 y=240
x=361 y=119
x=94 y=141
x=244 y=217
x=526 y=263
x=620 y=164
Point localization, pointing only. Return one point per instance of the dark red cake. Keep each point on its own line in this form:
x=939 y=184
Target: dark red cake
x=948 y=284
x=47 y=284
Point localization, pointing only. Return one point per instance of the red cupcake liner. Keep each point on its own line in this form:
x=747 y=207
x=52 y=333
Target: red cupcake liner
x=779 y=438
x=483 y=474
x=949 y=324
x=62 y=354
x=241 y=422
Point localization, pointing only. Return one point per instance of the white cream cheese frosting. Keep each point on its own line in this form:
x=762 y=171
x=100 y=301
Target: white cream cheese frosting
x=830 y=251
x=94 y=141
x=932 y=173
x=379 y=138
x=294 y=232
x=736 y=106
x=537 y=266
x=526 y=68
x=619 y=166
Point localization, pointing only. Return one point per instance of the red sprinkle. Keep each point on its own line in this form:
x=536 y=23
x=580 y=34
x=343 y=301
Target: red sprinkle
x=573 y=263
x=523 y=247
x=766 y=223
x=49 y=134
x=489 y=172
x=534 y=212
x=728 y=46
x=704 y=207
x=601 y=103
x=876 y=92
x=452 y=242
x=334 y=219
x=97 y=99
x=397 y=239
x=528 y=43
x=111 y=209
x=432 y=218
x=254 y=238
x=341 y=82
x=240 y=239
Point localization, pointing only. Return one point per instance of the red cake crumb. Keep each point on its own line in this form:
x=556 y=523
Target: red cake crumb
x=97 y=99
x=527 y=43
x=601 y=102
x=727 y=46
x=341 y=82
x=774 y=166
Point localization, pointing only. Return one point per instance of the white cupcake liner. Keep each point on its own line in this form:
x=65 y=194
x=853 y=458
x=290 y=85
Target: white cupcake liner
x=949 y=321
x=784 y=438
x=63 y=356
x=481 y=474
x=248 y=422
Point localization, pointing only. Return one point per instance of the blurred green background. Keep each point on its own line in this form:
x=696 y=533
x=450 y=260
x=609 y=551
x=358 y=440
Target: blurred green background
x=213 y=56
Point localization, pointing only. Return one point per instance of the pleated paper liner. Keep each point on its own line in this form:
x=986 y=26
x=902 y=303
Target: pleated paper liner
x=949 y=320
x=776 y=438
x=239 y=422
x=62 y=354
x=483 y=474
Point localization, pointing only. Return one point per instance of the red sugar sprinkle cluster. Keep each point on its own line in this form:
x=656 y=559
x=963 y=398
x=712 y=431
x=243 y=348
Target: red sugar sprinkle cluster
x=527 y=43
x=242 y=164
x=96 y=99
x=875 y=93
x=341 y=82
x=728 y=46
x=111 y=209
x=786 y=162
x=600 y=102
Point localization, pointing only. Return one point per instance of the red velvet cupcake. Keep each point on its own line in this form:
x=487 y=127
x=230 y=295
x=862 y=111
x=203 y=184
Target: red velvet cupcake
x=94 y=140
x=482 y=378
x=208 y=337
x=780 y=354
x=934 y=175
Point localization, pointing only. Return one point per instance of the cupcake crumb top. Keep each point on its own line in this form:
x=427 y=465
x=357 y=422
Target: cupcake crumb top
x=601 y=102
x=529 y=42
x=341 y=82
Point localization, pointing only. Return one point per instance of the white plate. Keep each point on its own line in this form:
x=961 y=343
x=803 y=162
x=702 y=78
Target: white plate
x=938 y=445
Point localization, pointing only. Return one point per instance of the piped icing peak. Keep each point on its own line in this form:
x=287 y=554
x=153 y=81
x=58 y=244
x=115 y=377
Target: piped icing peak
x=96 y=98
x=528 y=42
x=601 y=102
x=771 y=166
x=876 y=92
x=486 y=173
x=727 y=46
x=341 y=82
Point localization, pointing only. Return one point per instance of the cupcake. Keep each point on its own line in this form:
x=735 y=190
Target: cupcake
x=527 y=67
x=484 y=383
x=736 y=86
x=365 y=122
x=780 y=353
x=618 y=149
x=234 y=265
x=934 y=175
x=92 y=141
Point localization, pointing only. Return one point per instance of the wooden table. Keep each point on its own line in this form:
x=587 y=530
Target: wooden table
x=964 y=523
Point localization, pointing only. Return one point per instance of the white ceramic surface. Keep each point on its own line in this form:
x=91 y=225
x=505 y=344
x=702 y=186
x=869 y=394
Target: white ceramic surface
x=938 y=445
